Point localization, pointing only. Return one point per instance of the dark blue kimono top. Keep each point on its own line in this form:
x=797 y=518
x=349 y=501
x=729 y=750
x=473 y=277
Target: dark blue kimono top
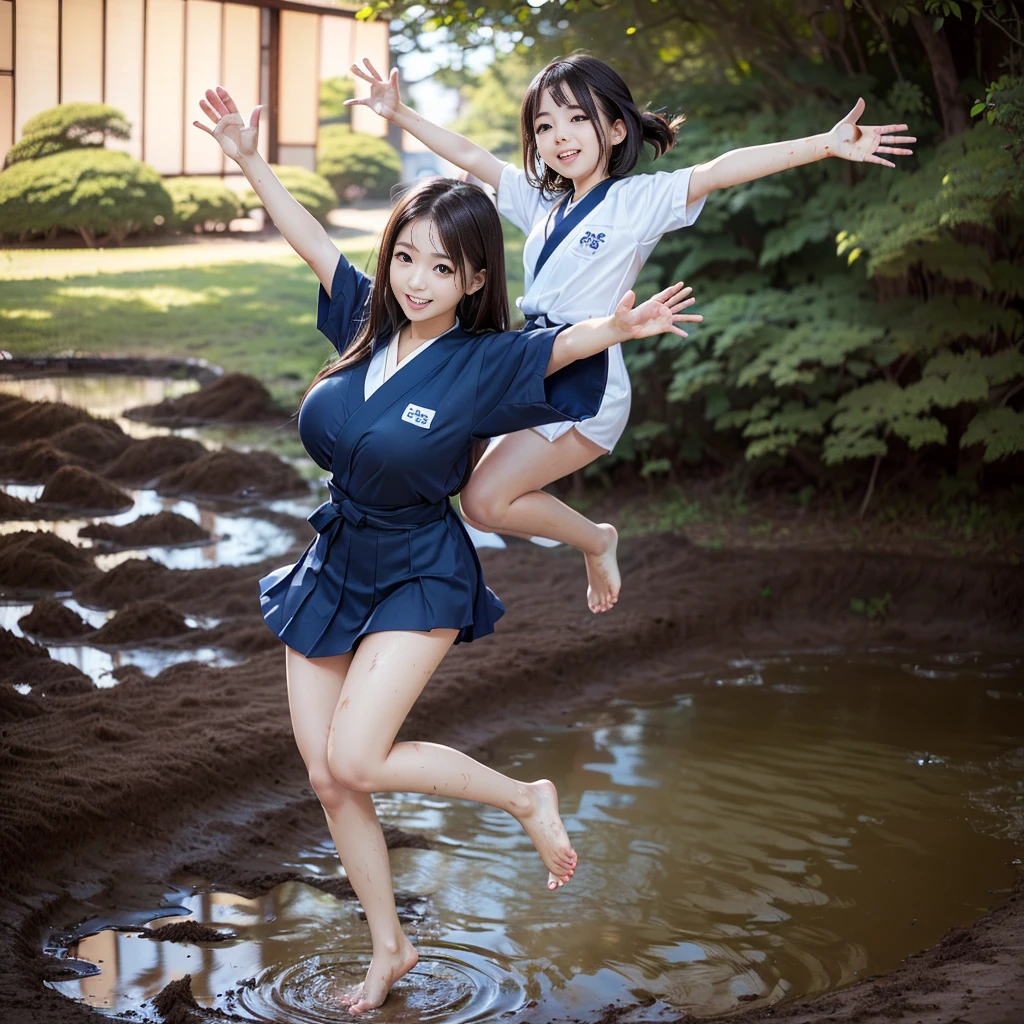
x=390 y=553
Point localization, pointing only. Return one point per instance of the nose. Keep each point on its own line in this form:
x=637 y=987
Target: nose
x=417 y=277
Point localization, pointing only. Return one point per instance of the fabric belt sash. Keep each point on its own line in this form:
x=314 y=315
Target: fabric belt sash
x=327 y=520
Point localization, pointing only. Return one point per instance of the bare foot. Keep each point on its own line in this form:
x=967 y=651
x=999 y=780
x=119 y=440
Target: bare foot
x=603 y=573
x=385 y=969
x=543 y=825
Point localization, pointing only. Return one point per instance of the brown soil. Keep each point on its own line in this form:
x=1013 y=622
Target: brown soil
x=184 y=931
x=234 y=398
x=41 y=562
x=16 y=508
x=24 y=662
x=147 y=620
x=237 y=475
x=160 y=530
x=32 y=462
x=77 y=488
x=197 y=769
x=25 y=421
x=95 y=442
x=54 y=621
x=145 y=460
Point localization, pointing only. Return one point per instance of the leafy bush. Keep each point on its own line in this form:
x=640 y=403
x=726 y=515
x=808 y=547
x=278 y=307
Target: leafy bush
x=333 y=93
x=357 y=165
x=103 y=195
x=200 y=204
x=311 y=190
x=68 y=126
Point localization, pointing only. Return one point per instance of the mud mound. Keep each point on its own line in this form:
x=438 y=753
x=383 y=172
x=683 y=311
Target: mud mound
x=130 y=581
x=145 y=460
x=234 y=398
x=77 y=487
x=32 y=462
x=26 y=421
x=162 y=529
x=23 y=662
x=41 y=561
x=95 y=442
x=148 y=620
x=54 y=621
x=15 y=508
x=185 y=931
x=231 y=474
x=176 y=1004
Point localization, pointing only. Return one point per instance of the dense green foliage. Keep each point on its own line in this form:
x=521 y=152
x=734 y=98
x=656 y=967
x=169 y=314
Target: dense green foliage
x=333 y=93
x=311 y=190
x=856 y=316
x=357 y=165
x=201 y=204
x=103 y=195
x=68 y=126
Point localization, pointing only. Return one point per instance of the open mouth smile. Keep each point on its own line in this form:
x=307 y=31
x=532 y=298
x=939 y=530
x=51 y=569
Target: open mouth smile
x=568 y=155
x=417 y=303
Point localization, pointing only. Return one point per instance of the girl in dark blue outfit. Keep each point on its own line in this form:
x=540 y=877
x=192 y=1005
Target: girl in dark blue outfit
x=391 y=581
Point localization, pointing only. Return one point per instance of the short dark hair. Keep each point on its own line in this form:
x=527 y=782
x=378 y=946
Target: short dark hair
x=584 y=80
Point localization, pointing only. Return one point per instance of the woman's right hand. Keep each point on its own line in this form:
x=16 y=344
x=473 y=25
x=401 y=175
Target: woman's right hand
x=237 y=139
x=384 y=98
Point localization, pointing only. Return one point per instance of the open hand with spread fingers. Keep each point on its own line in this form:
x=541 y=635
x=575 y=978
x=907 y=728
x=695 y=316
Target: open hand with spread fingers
x=384 y=98
x=658 y=315
x=863 y=143
x=237 y=139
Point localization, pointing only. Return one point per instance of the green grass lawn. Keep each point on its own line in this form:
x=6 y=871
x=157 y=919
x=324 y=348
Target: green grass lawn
x=247 y=306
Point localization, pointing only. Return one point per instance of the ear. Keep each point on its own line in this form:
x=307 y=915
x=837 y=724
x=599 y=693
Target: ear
x=618 y=132
x=477 y=282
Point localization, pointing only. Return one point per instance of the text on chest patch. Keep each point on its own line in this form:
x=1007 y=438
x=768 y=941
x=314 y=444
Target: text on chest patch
x=418 y=416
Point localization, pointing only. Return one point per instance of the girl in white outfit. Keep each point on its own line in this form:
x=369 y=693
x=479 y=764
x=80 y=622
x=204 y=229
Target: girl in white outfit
x=590 y=230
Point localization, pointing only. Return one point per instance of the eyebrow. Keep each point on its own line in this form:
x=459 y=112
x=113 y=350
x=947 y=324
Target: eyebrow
x=544 y=113
x=409 y=245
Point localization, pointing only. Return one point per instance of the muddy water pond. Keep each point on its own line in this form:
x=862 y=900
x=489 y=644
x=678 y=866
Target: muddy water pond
x=770 y=830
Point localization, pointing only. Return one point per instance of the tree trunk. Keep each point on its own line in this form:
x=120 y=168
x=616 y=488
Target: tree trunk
x=955 y=116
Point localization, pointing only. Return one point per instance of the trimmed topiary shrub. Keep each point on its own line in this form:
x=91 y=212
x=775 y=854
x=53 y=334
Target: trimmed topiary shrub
x=103 y=195
x=200 y=204
x=311 y=190
x=68 y=126
x=357 y=165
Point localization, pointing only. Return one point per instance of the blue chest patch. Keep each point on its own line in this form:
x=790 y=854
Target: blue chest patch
x=591 y=241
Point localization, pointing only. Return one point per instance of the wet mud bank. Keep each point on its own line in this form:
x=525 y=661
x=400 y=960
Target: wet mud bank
x=195 y=770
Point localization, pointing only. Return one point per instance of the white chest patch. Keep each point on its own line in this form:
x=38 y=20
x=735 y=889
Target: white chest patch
x=418 y=416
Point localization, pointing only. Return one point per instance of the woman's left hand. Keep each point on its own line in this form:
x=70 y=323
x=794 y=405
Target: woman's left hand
x=658 y=315
x=862 y=143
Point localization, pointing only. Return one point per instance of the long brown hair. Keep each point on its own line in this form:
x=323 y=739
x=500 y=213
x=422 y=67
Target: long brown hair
x=470 y=234
x=583 y=80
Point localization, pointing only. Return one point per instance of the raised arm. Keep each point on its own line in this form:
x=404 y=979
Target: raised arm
x=847 y=140
x=658 y=315
x=297 y=225
x=386 y=100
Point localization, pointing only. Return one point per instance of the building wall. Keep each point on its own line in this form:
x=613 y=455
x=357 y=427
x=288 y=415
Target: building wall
x=153 y=59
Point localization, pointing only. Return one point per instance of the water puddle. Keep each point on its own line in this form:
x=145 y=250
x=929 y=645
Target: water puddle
x=235 y=539
x=105 y=395
x=772 y=830
x=99 y=663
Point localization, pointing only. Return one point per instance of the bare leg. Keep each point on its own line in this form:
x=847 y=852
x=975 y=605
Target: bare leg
x=314 y=690
x=389 y=670
x=505 y=493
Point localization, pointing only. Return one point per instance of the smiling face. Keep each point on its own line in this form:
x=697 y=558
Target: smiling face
x=568 y=141
x=425 y=280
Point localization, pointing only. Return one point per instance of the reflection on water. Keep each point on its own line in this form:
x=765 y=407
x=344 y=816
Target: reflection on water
x=235 y=539
x=774 y=829
x=106 y=396
x=99 y=663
